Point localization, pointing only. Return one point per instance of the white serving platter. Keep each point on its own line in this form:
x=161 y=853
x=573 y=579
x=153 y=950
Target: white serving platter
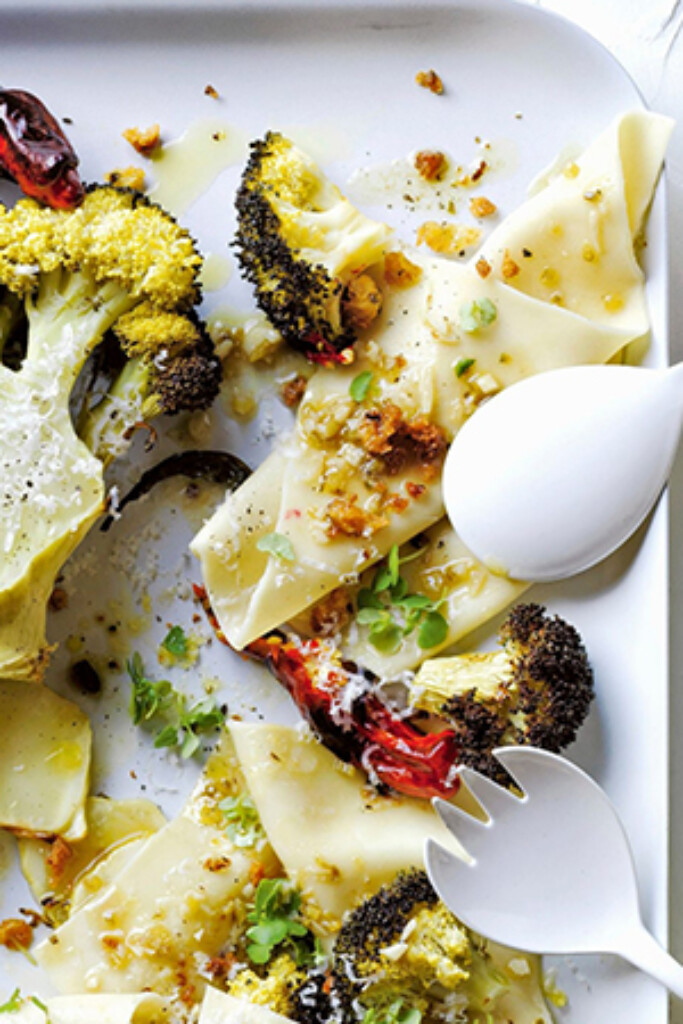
x=340 y=78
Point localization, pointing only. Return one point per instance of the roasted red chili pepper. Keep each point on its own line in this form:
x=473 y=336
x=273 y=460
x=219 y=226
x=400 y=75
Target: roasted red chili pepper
x=35 y=152
x=348 y=714
x=351 y=717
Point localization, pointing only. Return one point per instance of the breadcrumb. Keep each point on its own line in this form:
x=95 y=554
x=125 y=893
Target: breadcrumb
x=431 y=164
x=399 y=271
x=448 y=239
x=143 y=140
x=509 y=268
x=127 y=177
x=430 y=80
x=480 y=206
x=362 y=302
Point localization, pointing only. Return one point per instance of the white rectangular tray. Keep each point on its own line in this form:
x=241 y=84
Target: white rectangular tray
x=341 y=77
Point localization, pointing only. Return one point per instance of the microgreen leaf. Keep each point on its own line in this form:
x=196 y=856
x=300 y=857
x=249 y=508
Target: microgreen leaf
x=391 y=613
x=477 y=314
x=360 y=386
x=147 y=698
x=463 y=365
x=243 y=823
x=386 y=638
x=175 y=642
x=368 y=599
x=395 y=1013
x=167 y=737
x=13 y=1003
x=277 y=545
x=274 y=920
x=159 y=700
x=433 y=630
x=39 y=1004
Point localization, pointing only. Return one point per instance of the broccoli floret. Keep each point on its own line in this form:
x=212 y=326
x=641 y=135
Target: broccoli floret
x=79 y=274
x=276 y=987
x=535 y=690
x=401 y=946
x=301 y=243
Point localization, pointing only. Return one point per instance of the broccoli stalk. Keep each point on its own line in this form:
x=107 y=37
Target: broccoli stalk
x=303 y=246
x=80 y=272
x=535 y=690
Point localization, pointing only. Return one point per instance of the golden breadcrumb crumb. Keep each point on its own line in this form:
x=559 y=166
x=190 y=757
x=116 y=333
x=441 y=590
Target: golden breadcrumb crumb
x=480 y=206
x=144 y=140
x=430 y=80
x=448 y=239
x=127 y=177
x=399 y=272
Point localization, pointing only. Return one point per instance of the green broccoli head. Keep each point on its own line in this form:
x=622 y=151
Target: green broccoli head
x=535 y=690
x=79 y=274
x=301 y=244
x=400 y=948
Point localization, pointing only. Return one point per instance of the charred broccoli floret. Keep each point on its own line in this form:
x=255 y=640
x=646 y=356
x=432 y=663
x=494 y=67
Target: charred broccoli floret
x=535 y=690
x=303 y=246
x=117 y=262
x=402 y=951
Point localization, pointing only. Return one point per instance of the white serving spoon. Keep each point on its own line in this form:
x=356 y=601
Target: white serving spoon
x=550 y=872
x=556 y=472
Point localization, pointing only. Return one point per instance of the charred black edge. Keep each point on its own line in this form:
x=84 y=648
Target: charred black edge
x=214 y=466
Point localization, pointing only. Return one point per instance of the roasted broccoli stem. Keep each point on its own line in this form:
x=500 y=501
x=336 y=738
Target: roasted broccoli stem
x=117 y=262
x=535 y=690
x=301 y=244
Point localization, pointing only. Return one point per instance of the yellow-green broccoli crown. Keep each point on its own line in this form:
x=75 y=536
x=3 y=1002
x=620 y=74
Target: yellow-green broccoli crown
x=276 y=988
x=115 y=235
x=536 y=690
x=299 y=241
x=400 y=944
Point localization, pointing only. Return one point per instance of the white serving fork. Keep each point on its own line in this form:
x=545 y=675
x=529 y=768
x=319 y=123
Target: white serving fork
x=550 y=871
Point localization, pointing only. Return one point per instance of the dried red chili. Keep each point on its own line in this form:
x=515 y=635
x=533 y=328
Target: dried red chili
x=35 y=152
x=364 y=731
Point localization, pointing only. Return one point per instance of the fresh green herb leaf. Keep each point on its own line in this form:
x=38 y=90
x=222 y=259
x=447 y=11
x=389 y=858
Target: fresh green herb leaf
x=433 y=630
x=147 y=698
x=175 y=642
x=368 y=599
x=360 y=386
x=244 y=825
x=463 y=365
x=391 y=613
x=13 y=1003
x=477 y=314
x=274 y=920
x=386 y=637
x=395 y=1013
x=159 y=700
x=277 y=545
x=167 y=737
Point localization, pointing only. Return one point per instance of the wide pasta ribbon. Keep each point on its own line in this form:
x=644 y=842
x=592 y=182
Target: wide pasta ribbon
x=561 y=277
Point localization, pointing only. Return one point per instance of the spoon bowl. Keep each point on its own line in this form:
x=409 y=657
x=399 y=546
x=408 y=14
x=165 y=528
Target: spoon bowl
x=559 y=470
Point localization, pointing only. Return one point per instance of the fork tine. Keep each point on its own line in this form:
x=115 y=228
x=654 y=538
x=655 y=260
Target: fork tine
x=524 y=763
x=470 y=832
x=492 y=797
x=447 y=873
